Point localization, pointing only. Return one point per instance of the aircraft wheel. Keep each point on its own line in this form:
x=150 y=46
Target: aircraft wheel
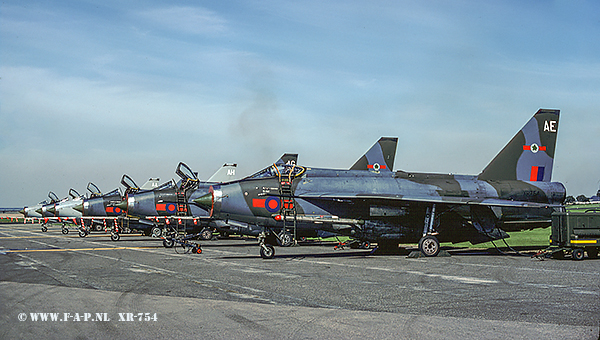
x=98 y=227
x=577 y=254
x=206 y=234
x=44 y=229
x=65 y=231
x=82 y=233
x=115 y=236
x=365 y=245
x=286 y=239
x=429 y=246
x=156 y=232
x=267 y=251
x=168 y=243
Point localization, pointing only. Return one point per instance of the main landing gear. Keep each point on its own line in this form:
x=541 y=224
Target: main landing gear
x=429 y=244
x=266 y=239
x=267 y=251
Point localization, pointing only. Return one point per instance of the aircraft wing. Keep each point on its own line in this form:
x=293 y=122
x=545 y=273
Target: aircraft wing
x=491 y=202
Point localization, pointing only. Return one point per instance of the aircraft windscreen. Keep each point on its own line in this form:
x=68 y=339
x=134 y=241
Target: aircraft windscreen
x=167 y=185
x=114 y=193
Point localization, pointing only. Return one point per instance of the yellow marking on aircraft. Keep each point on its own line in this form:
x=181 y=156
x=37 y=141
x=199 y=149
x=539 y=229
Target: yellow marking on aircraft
x=75 y=249
x=584 y=241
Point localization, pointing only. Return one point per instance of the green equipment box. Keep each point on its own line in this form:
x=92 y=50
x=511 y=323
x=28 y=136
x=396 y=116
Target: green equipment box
x=576 y=232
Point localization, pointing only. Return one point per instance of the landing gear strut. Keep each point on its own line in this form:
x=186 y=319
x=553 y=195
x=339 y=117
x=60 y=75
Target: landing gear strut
x=429 y=244
x=265 y=239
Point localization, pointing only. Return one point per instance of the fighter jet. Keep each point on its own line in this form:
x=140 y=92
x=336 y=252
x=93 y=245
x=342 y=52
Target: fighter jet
x=36 y=210
x=167 y=208
x=99 y=211
x=95 y=212
x=55 y=211
x=174 y=202
x=513 y=192
x=64 y=208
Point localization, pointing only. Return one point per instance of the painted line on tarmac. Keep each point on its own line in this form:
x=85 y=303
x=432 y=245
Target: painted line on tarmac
x=27 y=237
x=74 y=249
x=225 y=287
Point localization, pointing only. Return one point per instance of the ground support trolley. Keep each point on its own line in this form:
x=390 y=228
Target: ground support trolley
x=574 y=234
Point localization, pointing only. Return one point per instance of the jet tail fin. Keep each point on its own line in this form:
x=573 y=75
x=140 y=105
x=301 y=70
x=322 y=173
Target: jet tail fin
x=288 y=158
x=152 y=183
x=380 y=157
x=225 y=174
x=529 y=155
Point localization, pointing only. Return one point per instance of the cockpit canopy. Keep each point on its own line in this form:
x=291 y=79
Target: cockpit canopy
x=129 y=184
x=279 y=170
x=74 y=194
x=185 y=172
x=189 y=179
x=94 y=190
x=53 y=198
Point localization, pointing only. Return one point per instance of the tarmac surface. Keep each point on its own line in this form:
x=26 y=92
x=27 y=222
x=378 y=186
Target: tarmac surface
x=135 y=288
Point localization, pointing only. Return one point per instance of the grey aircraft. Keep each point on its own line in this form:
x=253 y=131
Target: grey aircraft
x=167 y=207
x=36 y=210
x=513 y=192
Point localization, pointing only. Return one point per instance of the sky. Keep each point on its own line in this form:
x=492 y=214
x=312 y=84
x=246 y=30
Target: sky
x=92 y=90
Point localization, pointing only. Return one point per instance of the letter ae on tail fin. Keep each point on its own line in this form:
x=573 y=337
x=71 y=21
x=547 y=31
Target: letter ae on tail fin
x=529 y=156
x=380 y=157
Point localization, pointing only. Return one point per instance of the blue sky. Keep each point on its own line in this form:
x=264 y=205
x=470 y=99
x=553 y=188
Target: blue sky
x=90 y=90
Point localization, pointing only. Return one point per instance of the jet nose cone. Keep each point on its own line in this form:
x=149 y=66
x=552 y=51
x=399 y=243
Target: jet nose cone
x=205 y=201
x=22 y=211
x=121 y=205
x=79 y=207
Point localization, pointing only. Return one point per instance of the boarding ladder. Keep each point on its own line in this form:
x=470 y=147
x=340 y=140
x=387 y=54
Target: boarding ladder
x=288 y=206
x=182 y=210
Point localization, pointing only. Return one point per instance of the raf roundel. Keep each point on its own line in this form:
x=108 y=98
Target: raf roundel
x=171 y=207
x=272 y=204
